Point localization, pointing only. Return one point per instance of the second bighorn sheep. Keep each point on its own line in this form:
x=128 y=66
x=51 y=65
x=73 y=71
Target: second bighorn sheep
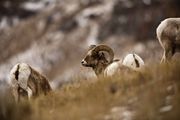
x=26 y=82
x=95 y=58
x=168 y=34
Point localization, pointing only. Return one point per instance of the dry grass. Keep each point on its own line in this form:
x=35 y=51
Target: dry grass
x=147 y=95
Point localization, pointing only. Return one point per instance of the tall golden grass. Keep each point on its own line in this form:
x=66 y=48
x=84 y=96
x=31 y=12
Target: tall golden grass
x=152 y=94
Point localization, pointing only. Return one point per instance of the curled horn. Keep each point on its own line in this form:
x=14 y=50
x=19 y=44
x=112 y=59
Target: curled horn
x=91 y=47
x=104 y=48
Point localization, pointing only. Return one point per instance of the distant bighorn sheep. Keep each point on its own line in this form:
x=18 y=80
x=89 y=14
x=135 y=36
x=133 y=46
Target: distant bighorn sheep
x=95 y=58
x=133 y=61
x=168 y=34
x=26 y=82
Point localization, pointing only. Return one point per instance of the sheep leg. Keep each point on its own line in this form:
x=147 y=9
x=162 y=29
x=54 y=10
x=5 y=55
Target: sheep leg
x=166 y=56
x=177 y=46
x=15 y=94
x=163 y=57
x=29 y=91
x=169 y=50
x=177 y=41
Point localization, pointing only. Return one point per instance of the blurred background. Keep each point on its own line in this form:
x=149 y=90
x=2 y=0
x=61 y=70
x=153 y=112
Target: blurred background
x=53 y=35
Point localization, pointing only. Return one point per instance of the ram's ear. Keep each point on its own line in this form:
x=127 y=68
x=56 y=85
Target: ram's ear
x=91 y=47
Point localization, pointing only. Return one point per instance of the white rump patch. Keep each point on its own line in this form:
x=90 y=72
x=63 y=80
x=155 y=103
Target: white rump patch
x=12 y=78
x=112 y=69
x=24 y=73
x=130 y=61
x=160 y=29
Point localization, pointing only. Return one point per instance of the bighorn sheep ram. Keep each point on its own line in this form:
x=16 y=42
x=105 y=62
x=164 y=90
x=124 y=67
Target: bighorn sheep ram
x=95 y=58
x=168 y=34
x=26 y=82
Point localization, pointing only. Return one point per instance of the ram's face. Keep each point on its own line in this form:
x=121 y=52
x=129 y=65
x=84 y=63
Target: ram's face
x=93 y=57
x=90 y=60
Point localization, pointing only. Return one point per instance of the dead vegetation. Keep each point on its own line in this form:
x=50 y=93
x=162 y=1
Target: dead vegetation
x=150 y=95
x=54 y=41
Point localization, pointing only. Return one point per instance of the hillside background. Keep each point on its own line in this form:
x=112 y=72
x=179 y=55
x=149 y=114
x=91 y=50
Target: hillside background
x=53 y=36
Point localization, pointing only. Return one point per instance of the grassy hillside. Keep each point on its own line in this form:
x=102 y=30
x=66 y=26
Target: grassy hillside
x=153 y=94
x=54 y=40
